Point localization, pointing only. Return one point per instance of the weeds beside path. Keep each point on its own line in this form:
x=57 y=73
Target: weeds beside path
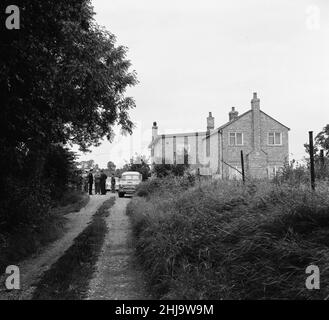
x=226 y=240
x=69 y=277
x=33 y=268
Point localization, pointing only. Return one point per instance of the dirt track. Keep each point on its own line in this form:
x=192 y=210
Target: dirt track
x=32 y=269
x=117 y=276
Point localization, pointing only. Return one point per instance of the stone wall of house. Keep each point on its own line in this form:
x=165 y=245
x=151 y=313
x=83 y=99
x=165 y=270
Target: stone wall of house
x=261 y=159
x=232 y=154
x=276 y=154
x=259 y=162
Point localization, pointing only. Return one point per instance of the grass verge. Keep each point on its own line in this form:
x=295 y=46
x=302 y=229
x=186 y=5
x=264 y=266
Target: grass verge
x=72 y=201
x=224 y=240
x=69 y=277
x=29 y=238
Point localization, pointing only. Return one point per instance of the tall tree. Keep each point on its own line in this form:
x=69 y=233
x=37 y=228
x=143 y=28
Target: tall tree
x=87 y=165
x=62 y=80
x=321 y=141
x=111 y=167
x=140 y=164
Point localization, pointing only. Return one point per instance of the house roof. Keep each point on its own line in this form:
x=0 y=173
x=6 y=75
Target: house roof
x=239 y=117
x=159 y=136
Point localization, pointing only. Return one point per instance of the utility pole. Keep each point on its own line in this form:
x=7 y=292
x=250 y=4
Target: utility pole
x=242 y=167
x=310 y=133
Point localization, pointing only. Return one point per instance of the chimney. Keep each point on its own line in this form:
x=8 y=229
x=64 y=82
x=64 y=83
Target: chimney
x=154 y=130
x=255 y=121
x=210 y=122
x=255 y=102
x=233 y=114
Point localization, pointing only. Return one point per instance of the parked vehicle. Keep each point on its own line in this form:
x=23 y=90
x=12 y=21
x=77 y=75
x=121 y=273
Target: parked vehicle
x=117 y=182
x=128 y=182
x=108 y=183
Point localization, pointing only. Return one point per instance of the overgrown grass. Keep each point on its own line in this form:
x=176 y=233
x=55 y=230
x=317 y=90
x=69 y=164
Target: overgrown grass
x=26 y=234
x=69 y=277
x=224 y=240
x=72 y=201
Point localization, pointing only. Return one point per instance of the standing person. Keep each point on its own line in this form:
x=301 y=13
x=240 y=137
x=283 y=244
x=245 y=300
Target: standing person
x=84 y=181
x=97 y=182
x=113 y=184
x=90 y=181
x=103 y=182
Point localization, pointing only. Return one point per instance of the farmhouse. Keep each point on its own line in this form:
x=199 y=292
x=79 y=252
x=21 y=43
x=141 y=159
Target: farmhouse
x=217 y=151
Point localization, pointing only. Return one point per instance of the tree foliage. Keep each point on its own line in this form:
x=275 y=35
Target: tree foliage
x=63 y=81
x=163 y=170
x=140 y=164
x=87 y=165
x=137 y=163
x=111 y=167
x=321 y=141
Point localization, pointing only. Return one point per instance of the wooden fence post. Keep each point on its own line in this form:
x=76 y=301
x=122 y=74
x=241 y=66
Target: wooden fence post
x=310 y=133
x=242 y=167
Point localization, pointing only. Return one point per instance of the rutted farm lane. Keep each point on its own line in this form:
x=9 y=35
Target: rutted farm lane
x=117 y=276
x=32 y=269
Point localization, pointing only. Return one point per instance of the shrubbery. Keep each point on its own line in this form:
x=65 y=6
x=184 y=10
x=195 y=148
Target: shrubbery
x=160 y=186
x=163 y=170
x=299 y=173
x=29 y=194
x=224 y=240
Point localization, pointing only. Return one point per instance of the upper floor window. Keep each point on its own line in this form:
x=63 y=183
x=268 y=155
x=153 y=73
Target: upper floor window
x=235 y=139
x=275 y=138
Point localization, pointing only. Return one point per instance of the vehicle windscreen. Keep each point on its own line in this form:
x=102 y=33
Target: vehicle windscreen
x=130 y=177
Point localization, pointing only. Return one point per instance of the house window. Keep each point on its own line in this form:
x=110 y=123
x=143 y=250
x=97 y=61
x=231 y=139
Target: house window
x=235 y=139
x=274 y=138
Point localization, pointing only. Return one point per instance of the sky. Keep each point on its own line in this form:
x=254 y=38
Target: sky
x=193 y=57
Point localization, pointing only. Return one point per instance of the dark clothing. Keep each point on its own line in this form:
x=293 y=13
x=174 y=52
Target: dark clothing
x=103 y=183
x=98 y=184
x=85 y=183
x=97 y=187
x=113 y=184
x=90 y=183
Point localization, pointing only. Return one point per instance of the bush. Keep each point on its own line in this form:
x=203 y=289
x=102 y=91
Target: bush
x=163 y=170
x=170 y=183
x=26 y=222
x=298 y=174
x=29 y=194
x=224 y=240
x=293 y=174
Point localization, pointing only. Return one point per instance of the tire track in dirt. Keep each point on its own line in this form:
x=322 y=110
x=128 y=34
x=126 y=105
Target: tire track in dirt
x=32 y=269
x=117 y=276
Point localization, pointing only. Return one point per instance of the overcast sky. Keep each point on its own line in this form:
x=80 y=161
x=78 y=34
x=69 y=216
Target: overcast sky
x=197 y=56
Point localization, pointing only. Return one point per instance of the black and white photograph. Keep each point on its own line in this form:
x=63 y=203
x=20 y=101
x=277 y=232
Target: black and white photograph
x=165 y=156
